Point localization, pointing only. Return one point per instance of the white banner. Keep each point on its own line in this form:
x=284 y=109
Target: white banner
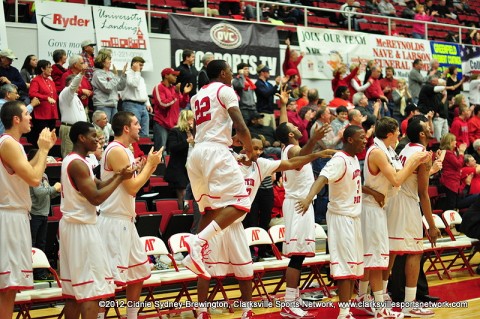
x=3 y=30
x=64 y=26
x=125 y=32
x=326 y=49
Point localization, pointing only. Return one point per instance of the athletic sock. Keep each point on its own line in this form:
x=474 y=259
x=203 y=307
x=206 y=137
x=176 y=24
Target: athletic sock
x=290 y=294
x=132 y=313
x=410 y=293
x=210 y=231
x=362 y=287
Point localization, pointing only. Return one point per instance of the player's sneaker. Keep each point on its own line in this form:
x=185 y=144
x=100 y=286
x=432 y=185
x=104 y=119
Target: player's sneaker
x=417 y=312
x=365 y=298
x=386 y=313
x=296 y=313
x=349 y=316
x=197 y=248
x=203 y=315
x=247 y=314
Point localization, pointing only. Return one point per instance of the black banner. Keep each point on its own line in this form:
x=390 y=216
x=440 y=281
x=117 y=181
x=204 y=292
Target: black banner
x=234 y=42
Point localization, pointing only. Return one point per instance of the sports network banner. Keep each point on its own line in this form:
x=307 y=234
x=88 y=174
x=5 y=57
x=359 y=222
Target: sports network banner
x=3 y=30
x=325 y=49
x=231 y=41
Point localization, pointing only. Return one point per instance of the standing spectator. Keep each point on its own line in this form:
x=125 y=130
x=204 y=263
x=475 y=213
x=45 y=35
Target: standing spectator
x=85 y=90
x=135 y=96
x=265 y=92
x=433 y=98
x=188 y=72
x=295 y=119
x=401 y=97
x=292 y=79
x=245 y=88
x=409 y=11
x=59 y=58
x=388 y=85
x=101 y=123
x=87 y=54
x=416 y=79
x=474 y=90
x=257 y=128
x=453 y=83
x=28 y=69
x=355 y=84
x=41 y=196
x=10 y=74
x=374 y=92
x=8 y=92
x=339 y=124
x=435 y=69
x=339 y=78
x=443 y=10
x=419 y=28
x=202 y=74
x=301 y=93
x=180 y=142
x=386 y=8
x=410 y=111
x=474 y=125
x=43 y=88
x=349 y=12
x=292 y=60
x=106 y=84
x=459 y=126
x=167 y=102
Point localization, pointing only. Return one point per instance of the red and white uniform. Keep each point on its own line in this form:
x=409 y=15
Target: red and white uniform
x=299 y=229
x=343 y=216
x=404 y=216
x=229 y=249
x=85 y=272
x=15 y=237
x=126 y=255
x=213 y=172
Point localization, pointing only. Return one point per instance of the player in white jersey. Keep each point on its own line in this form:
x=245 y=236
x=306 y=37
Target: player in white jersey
x=342 y=174
x=405 y=217
x=126 y=255
x=86 y=275
x=229 y=250
x=16 y=175
x=383 y=173
x=217 y=183
x=299 y=228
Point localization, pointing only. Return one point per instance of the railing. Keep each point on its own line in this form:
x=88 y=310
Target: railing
x=306 y=11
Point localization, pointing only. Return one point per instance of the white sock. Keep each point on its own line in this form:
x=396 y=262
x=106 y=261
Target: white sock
x=344 y=311
x=378 y=295
x=101 y=315
x=362 y=287
x=132 y=313
x=410 y=293
x=385 y=284
x=210 y=231
x=290 y=294
x=297 y=293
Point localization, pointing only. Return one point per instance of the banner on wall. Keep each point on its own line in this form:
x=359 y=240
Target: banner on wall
x=470 y=59
x=64 y=26
x=125 y=32
x=447 y=54
x=3 y=30
x=326 y=49
x=234 y=42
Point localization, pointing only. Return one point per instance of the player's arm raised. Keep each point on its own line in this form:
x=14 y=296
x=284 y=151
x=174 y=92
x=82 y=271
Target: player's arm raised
x=298 y=161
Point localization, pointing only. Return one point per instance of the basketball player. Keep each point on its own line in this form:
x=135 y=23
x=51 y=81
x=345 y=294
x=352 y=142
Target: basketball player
x=405 y=229
x=86 y=276
x=16 y=175
x=222 y=259
x=383 y=173
x=217 y=183
x=342 y=174
x=126 y=255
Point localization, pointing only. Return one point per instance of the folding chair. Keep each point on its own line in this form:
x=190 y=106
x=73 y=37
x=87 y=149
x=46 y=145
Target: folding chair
x=453 y=217
x=177 y=223
x=141 y=206
x=148 y=224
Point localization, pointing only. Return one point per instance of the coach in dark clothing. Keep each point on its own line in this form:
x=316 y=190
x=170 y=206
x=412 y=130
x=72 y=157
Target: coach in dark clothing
x=188 y=72
x=257 y=128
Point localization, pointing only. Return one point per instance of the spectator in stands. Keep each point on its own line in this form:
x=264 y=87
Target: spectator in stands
x=257 y=128
x=8 y=92
x=245 y=88
x=188 y=72
x=135 y=96
x=476 y=150
x=292 y=60
x=474 y=89
x=10 y=74
x=292 y=79
x=296 y=120
x=463 y=6
x=459 y=126
x=265 y=92
x=409 y=11
x=43 y=88
x=341 y=98
x=202 y=74
x=59 y=59
x=388 y=85
x=313 y=98
x=386 y=8
x=452 y=37
x=339 y=123
x=349 y=12
x=28 y=69
x=355 y=84
x=401 y=97
x=339 y=77
x=330 y=140
x=106 y=84
x=394 y=32
x=180 y=142
x=75 y=66
x=360 y=101
x=410 y=110
x=474 y=125
x=470 y=175
x=301 y=94
x=473 y=37
x=374 y=92
x=435 y=69
x=443 y=10
x=167 y=102
x=371 y=6
x=454 y=84
x=101 y=123
x=87 y=54
x=41 y=196
x=433 y=98
x=197 y=6
x=416 y=79
x=429 y=7
x=419 y=28
x=229 y=7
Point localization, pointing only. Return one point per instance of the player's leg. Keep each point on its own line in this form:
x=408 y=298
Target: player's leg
x=7 y=300
x=71 y=309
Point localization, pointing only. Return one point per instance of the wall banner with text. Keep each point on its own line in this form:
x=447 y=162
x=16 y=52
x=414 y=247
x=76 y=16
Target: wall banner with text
x=447 y=54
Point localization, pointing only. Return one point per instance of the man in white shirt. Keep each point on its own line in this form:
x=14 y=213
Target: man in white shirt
x=71 y=109
x=135 y=97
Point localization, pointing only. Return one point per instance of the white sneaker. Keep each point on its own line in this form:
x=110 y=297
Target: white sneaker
x=197 y=248
x=295 y=313
x=365 y=298
x=247 y=314
x=386 y=313
x=417 y=312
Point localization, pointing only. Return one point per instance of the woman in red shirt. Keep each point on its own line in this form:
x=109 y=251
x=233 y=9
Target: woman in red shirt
x=43 y=88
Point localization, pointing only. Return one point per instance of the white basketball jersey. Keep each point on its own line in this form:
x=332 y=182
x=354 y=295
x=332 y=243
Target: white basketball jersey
x=255 y=174
x=410 y=186
x=74 y=206
x=345 y=185
x=15 y=194
x=210 y=105
x=297 y=183
x=120 y=202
